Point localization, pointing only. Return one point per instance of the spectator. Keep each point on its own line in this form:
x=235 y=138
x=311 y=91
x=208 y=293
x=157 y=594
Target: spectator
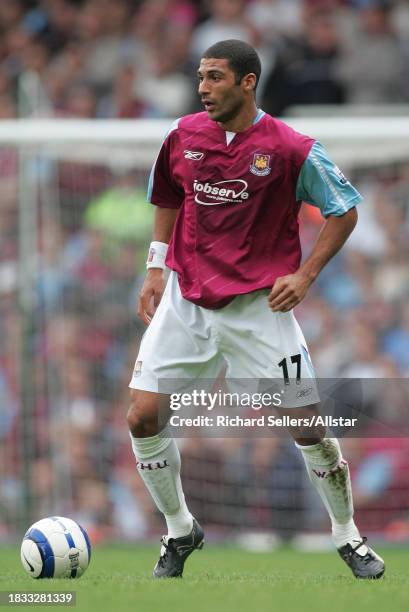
x=102 y=26
x=166 y=87
x=396 y=340
x=123 y=102
x=364 y=359
x=55 y=22
x=81 y=102
x=304 y=72
x=227 y=20
x=11 y=13
x=276 y=18
x=121 y=212
x=371 y=66
x=65 y=71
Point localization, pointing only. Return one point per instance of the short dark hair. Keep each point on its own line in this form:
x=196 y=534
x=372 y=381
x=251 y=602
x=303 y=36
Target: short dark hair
x=241 y=56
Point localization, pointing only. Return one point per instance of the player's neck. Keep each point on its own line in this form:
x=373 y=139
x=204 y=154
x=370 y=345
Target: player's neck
x=243 y=121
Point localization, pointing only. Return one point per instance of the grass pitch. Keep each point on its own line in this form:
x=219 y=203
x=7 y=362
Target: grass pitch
x=221 y=579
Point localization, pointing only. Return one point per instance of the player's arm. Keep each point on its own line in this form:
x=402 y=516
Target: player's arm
x=290 y=290
x=154 y=284
x=321 y=184
x=167 y=195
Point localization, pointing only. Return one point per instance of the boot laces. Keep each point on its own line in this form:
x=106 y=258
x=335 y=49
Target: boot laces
x=164 y=551
x=361 y=543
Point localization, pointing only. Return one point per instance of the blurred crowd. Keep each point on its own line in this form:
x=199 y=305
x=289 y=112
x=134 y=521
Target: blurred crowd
x=138 y=58
x=66 y=355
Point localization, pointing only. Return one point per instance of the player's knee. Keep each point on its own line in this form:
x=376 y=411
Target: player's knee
x=306 y=436
x=135 y=422
x=142 y=415
x=136 y=414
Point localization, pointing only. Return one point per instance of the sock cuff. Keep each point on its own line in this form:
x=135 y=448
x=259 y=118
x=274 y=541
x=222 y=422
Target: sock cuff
x=144 y=448
x=327 y=452
x=302 y=447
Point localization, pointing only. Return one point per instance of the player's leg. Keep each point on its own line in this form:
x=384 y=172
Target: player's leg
x=327 y=469
x=158 y=459
x=266 y=345
x=329 y=473
x=171 y=351
x=158 y=463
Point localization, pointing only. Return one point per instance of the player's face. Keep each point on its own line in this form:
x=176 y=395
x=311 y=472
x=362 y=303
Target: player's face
x=222 y=98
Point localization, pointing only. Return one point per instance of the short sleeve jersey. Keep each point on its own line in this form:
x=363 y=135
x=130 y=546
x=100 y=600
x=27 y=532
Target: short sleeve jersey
x=239 y=197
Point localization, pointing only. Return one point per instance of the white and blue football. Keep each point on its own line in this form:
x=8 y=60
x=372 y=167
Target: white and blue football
x=55 y=547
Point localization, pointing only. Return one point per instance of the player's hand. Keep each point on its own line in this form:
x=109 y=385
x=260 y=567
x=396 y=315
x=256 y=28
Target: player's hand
x=151 y=294
x=288 y=291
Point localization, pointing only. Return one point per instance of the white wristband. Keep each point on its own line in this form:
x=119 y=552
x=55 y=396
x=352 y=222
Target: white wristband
x=157 y=255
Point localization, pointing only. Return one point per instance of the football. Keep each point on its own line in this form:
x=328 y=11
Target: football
x=55 y=547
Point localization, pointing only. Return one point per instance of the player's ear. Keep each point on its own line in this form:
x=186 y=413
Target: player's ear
x=249 y=82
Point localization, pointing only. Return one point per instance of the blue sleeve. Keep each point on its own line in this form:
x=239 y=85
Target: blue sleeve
x=322 y=184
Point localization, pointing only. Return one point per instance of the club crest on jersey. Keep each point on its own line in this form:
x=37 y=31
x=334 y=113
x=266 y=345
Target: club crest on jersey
x=261 y=164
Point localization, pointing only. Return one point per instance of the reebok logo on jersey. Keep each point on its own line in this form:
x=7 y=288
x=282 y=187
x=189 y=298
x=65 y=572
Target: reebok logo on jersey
x=232 y=191
x=193 y=155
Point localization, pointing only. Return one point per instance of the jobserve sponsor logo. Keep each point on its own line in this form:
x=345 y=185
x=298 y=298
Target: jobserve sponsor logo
x=232 y=191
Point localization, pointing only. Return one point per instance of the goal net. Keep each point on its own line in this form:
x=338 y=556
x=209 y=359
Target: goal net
x=74 y=230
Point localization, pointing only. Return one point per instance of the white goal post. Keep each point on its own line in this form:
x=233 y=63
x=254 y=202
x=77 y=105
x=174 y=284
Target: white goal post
x=352 y=141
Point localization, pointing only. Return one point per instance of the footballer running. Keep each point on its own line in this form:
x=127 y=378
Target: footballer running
x=227 y=186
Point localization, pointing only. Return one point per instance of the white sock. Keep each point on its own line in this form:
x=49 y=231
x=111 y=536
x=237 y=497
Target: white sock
x=158 y=463
x=329 y=473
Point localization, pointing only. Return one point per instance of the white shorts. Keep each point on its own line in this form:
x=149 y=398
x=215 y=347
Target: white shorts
x=186 y=342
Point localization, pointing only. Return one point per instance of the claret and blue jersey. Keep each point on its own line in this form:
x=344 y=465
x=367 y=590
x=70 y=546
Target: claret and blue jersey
x=239 y=196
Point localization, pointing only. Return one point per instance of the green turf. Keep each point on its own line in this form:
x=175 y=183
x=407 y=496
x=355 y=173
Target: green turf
x=222 y=579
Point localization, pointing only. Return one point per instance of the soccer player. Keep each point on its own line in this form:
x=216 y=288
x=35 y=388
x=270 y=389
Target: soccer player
x=227 y=185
